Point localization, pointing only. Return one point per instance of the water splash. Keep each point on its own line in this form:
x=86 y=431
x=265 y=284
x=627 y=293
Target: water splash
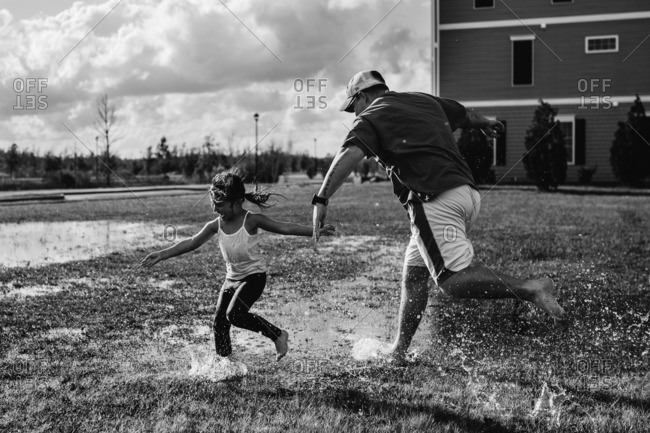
x=216 y=369
x=549 y=405
x=369 y=348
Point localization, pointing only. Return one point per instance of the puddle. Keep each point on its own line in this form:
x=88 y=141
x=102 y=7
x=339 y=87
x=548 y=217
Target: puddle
x=71 y=334
x=41 y=243
x=29 y=291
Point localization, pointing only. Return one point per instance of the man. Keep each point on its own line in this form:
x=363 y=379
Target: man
x=411 y=134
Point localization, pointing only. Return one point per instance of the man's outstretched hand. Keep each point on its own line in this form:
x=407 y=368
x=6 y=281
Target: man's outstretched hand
x=320 y=212
x=494 y=129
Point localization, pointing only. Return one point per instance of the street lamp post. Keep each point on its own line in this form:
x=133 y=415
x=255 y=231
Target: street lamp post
x=96 y=156
x=256 y=117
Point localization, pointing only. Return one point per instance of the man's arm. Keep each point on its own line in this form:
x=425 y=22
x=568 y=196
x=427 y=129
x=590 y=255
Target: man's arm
x=344 y=162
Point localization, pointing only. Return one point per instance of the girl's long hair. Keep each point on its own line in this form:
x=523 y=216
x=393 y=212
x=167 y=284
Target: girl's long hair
x=228 y=186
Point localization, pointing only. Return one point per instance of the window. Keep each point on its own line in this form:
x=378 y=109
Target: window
x=554 y=2
x=483 y=4
x=522 y=60
x=567 y=124
x=601 y=44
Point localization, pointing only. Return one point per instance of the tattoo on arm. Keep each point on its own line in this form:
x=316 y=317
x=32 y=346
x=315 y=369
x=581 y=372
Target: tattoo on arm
x=325 y=188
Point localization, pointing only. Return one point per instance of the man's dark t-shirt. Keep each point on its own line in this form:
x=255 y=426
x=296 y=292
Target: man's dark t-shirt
x=412 y=135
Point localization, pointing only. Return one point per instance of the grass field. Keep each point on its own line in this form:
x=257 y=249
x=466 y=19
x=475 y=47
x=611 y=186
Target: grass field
x=101 y=346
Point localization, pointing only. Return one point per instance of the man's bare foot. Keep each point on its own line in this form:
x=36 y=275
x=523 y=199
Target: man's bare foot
x=394 y=356
x=281 y=345
x=544 y=298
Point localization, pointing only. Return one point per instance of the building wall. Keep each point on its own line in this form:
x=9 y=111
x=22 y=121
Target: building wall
x=476 y=68
x=601 y=124
x=477 y=64
x=455 y=11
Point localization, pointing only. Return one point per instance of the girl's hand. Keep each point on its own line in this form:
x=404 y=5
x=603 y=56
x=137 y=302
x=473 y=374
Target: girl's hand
x=326 y=230
x=151 y=260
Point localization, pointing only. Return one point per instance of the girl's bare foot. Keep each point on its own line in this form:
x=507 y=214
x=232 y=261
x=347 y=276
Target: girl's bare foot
x=281 y=345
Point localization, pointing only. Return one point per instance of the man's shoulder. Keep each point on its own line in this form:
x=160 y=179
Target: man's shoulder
x=407 y=95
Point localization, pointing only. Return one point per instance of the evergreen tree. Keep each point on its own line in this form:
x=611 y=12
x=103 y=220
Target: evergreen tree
x=546 y=155
x=630 y=151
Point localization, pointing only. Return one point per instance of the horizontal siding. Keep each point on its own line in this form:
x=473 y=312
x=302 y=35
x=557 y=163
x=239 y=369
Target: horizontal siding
x=601 y=124
x=460 y=11
x=476 y=64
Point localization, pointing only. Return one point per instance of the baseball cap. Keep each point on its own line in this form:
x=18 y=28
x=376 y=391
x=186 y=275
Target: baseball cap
x=361 y=81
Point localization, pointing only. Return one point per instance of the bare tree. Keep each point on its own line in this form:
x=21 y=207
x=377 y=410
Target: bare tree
x=104 y=124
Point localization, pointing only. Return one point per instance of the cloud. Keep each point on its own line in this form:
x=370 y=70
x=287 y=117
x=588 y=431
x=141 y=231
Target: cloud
x=189 y=68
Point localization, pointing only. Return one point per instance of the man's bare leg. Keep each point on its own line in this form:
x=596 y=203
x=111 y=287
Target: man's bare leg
x=480 y=282
x=414 y=298
x=476 y=281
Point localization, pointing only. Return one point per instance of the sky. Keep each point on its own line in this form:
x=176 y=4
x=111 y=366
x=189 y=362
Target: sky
x=187 y=69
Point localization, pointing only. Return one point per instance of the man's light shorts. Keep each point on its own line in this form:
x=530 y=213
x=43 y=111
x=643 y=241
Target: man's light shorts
x=439 y=231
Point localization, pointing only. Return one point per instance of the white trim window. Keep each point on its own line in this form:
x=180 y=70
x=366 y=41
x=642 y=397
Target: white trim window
x=483 y=4
x=601 y=44
x=568 y=125
x=522 y=59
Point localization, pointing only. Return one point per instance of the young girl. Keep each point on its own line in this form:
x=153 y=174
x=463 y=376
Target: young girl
x=237 y=231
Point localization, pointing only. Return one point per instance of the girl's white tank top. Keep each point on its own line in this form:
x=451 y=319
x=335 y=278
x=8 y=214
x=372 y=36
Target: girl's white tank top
x=240 y=251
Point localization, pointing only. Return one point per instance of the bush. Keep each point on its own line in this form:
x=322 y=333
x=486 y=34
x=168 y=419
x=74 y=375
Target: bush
x=630 y=152
x=60 y=179
x=545 y=157
x=312 y=169
x=585 y=174
x=474 y=147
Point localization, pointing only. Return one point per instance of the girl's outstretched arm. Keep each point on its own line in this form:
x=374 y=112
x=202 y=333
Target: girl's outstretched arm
x=263 y=222
x=182 y=247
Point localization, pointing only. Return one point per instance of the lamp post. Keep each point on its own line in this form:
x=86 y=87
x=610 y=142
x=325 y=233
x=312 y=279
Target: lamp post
x=96 y=156
x=256 y=117
x=315 y=159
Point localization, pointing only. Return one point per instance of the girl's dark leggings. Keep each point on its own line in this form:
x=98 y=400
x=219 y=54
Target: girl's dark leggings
x=235 y=299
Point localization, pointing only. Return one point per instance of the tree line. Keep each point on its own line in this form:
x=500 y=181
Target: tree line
x=545 y=159
x=161 y=164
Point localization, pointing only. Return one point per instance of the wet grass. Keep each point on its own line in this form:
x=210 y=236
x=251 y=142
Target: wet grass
x=95 y=345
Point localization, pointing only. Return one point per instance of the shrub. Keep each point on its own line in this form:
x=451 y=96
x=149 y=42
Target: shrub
x=630 y=151
x=585 y=174
x=545 y=157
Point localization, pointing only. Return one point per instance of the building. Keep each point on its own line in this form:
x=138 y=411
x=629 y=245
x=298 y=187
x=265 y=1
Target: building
x=587 y=58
